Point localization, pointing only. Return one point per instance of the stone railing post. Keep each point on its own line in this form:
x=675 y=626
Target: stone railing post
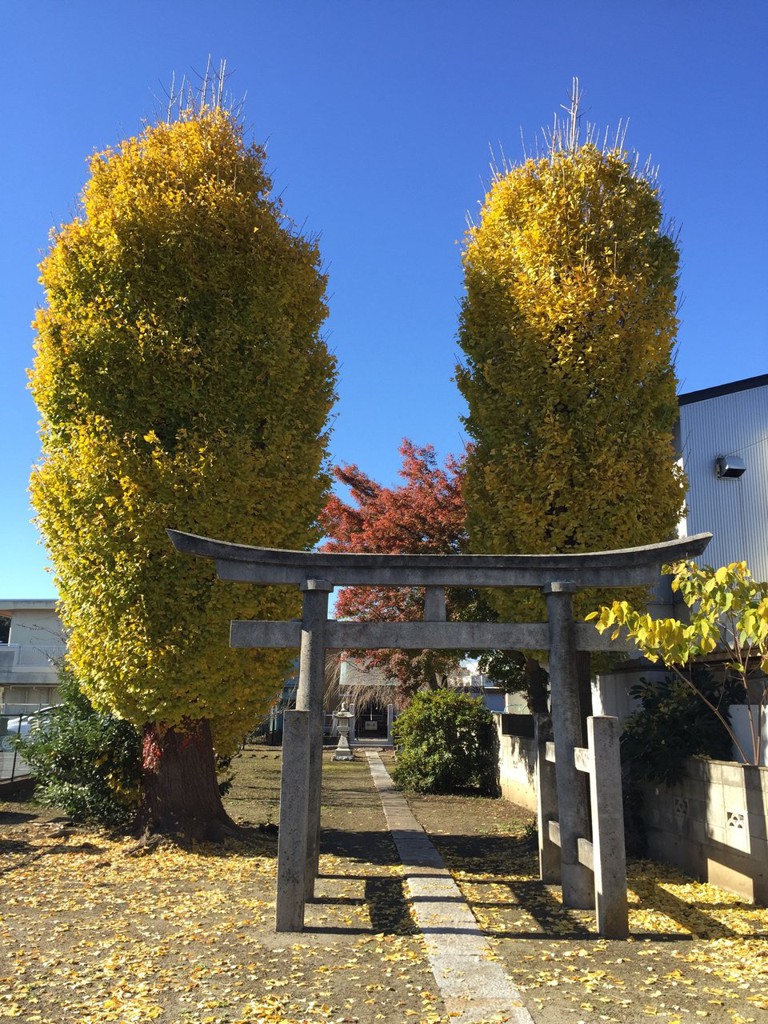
x=546 y=798
x=292 y=835
x=610 y=863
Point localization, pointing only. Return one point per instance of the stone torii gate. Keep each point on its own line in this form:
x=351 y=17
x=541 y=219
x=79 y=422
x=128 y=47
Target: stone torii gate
x=317 y=573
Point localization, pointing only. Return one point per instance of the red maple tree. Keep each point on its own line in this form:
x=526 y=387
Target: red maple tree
x=426 y=514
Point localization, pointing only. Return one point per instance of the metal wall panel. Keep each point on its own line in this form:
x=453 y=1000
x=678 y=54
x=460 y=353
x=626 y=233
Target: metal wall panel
x=734 y=510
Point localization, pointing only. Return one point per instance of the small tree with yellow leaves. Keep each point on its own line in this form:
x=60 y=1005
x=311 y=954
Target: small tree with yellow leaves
x=728 y=616
x=182 y=382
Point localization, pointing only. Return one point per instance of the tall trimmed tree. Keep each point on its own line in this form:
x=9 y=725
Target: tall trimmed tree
x=568 y=327
x=182 y=382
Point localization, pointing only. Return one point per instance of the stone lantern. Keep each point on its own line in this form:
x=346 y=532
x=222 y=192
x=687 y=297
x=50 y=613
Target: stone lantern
x=343 y=751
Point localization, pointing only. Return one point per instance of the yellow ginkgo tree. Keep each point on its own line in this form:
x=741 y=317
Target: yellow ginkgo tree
x=727 y=615
x=182 y=381
x=568 y=329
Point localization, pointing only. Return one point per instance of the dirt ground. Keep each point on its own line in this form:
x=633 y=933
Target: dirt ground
x=93 y=930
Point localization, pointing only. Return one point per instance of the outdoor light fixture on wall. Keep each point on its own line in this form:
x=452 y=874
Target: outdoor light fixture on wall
x=730 y=466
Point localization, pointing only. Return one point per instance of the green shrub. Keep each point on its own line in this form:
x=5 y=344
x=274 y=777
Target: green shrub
x=86 y=763
x=673 y=723
x=447 y=744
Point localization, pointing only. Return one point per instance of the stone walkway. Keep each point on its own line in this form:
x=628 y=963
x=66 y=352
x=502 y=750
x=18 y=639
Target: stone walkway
x=472 y=983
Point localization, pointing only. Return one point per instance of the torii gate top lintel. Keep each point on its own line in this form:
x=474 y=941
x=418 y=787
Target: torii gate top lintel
x=619 y=568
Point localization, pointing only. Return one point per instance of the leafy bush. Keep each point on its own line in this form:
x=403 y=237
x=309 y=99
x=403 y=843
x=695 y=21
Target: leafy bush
x=85 y=762
x=674 y=723
x=448 y=744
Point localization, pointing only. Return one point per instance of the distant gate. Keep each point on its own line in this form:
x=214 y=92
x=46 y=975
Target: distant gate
x=557 y=576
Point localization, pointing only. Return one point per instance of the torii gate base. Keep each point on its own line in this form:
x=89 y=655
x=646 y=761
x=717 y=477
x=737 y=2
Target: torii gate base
x=558 y=577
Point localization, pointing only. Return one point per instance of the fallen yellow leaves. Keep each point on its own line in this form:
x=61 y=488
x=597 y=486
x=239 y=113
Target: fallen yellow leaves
x=91 y=935
x=696 y=952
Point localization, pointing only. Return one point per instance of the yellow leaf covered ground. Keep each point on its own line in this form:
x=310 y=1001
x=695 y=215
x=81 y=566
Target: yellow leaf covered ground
x=695 y=952
x=94 y=931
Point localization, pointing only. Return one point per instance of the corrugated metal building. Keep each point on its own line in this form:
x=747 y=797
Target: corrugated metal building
x=723 y=441
x=722 y=437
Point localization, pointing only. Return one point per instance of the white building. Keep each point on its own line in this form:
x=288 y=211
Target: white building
x=723 y=441
x=30 y=657
x=722 y=437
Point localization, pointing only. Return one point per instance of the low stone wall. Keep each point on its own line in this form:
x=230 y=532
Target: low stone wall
x=517 y=764
x=712 y=824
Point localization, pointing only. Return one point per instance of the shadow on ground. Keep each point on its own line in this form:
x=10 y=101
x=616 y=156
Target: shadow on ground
x=371 y=847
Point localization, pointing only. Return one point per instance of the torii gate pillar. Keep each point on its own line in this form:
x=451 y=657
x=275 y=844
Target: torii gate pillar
x=572 y=797
x=309 y=697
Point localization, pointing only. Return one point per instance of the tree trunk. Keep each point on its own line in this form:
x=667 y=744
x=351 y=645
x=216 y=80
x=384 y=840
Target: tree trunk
x=536 y=687
x=180 y=790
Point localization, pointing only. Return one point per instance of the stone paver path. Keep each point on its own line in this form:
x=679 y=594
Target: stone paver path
x=472 y=983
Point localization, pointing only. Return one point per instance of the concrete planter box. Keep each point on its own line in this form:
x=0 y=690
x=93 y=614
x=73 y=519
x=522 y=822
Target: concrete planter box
x=712 y=824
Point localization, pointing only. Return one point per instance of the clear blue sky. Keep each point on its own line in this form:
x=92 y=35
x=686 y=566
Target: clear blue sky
x=379 y=115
